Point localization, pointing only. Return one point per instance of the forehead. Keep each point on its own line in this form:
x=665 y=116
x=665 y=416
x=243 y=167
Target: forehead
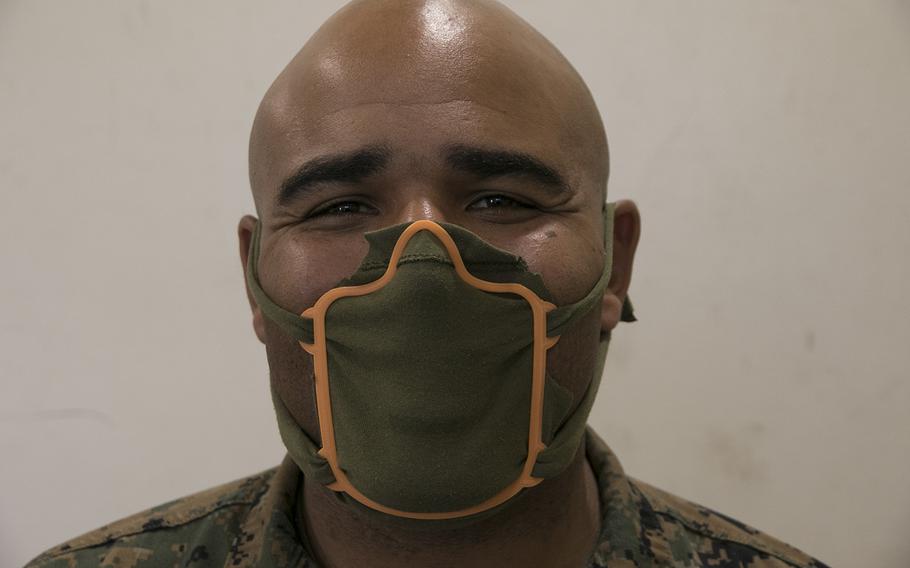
x=417 y=125
x=420 y=130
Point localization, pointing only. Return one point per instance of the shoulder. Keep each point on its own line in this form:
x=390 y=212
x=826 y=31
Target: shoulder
x=688 y=531
x=180 y=532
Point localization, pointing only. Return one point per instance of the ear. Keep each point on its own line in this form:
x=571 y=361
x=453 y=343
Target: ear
x=626 y=231
x=245 y=235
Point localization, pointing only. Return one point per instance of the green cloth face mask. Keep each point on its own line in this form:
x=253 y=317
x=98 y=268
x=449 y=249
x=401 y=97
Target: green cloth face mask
x=430 y=374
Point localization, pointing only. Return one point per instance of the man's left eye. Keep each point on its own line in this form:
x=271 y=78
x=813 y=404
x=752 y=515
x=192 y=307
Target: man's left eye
x=498 y=202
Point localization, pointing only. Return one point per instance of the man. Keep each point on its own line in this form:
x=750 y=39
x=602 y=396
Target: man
x=432 y=380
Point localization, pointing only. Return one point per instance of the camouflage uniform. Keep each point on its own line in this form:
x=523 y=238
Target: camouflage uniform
x=251 y=522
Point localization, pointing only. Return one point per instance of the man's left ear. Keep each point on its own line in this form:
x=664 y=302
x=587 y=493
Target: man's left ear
x=626 y=231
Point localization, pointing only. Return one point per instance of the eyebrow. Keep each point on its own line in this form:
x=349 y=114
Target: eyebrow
x=490 y=163
x=340 y=168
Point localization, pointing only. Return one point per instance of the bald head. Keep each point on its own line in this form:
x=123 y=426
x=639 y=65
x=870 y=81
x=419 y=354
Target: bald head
x=454 y=111
x=474 y=64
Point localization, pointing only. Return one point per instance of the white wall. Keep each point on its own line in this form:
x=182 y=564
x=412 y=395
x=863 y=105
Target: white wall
x=765 y=142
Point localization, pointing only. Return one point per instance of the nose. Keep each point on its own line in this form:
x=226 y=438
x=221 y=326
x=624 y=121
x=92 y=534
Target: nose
x=419 y=209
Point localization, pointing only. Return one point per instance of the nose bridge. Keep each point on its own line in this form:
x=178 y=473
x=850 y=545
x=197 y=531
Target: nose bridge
x=420 y=207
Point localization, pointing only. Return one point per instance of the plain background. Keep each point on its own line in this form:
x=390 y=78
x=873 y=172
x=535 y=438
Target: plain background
x=765 y=142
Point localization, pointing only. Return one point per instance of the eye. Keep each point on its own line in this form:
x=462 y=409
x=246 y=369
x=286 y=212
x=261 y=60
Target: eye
x=343 y=209
x=498 y=202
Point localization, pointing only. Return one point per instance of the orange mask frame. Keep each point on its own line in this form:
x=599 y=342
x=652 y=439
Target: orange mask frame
x=318 y=350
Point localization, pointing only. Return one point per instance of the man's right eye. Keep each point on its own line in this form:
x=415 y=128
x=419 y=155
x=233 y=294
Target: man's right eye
x=342 y=209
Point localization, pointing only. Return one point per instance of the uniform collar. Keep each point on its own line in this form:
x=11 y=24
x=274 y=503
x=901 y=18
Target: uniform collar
x=620 y=527
x=268 y=536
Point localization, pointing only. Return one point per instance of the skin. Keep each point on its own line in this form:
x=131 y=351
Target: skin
x=416 y=78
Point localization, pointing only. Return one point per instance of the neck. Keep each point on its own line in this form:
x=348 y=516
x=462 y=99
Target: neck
x=554 y=525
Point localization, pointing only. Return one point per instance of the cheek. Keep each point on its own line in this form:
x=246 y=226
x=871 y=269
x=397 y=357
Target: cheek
x=569 y=263
x=298 y=269
x=295 y=271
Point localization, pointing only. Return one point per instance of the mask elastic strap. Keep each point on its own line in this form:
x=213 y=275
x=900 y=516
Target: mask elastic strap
x=298 y=327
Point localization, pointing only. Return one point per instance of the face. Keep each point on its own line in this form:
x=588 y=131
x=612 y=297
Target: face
x=344 y=146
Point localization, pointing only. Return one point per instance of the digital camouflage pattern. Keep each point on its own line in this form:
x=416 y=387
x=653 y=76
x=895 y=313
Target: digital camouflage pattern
x=250 y=523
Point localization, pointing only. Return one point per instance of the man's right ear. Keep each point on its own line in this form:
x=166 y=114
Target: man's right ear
x=245 y=236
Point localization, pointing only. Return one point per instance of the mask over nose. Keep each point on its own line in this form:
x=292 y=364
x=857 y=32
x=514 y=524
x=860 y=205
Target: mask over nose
x=431 y=387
